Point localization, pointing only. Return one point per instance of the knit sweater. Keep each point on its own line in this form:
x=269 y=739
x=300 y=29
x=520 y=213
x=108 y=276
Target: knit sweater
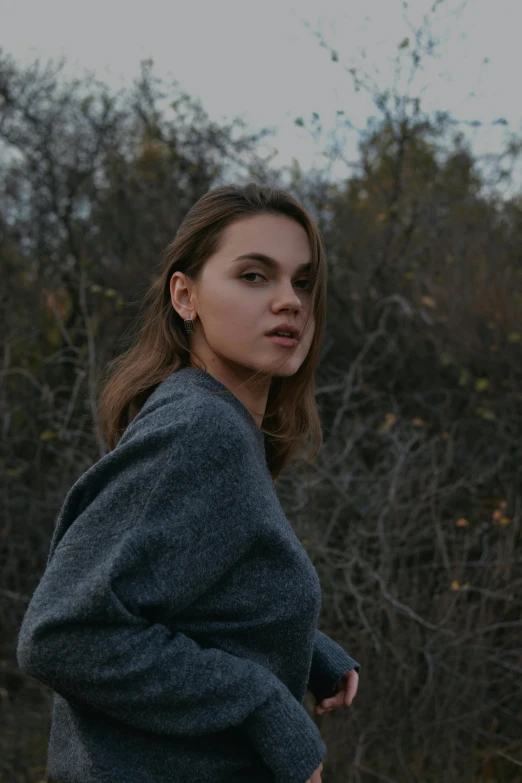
x=176 y=619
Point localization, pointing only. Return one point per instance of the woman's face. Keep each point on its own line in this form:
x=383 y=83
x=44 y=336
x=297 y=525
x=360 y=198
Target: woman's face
x=238 y=301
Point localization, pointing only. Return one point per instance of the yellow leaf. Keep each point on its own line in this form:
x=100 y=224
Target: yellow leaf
x=463 y=378
x=481 y=384
x=429 y=301
x=504 y=521
x=417 y=422
x=486 y=414
x=14 y=472
x=48 y=435
x=514 y=337
x=389 y=420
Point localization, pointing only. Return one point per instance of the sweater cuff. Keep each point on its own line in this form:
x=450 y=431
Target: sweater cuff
x=286 y=738
x=329 y=663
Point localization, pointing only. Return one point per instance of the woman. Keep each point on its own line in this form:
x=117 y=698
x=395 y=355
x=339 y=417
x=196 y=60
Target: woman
x=176 y=618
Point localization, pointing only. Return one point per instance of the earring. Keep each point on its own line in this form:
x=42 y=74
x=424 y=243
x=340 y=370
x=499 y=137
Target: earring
x=189 y=325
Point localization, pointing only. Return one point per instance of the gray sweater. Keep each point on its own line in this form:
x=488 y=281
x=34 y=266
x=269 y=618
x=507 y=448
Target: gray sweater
x=176 y=619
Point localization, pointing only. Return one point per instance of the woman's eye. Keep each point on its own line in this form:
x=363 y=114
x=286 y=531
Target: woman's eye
x=250 y=274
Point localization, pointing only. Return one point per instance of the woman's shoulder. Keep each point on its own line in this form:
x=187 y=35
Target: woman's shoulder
x=174 y=430
x=187 y=412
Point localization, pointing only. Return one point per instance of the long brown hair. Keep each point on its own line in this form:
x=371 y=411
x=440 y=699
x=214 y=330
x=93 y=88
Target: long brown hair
x=160 y=346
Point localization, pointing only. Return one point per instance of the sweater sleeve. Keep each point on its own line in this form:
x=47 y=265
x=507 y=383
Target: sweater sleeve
x=174 y=515
x=329 y=663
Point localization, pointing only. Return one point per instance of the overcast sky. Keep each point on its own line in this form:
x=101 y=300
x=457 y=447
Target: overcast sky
x=259 y=60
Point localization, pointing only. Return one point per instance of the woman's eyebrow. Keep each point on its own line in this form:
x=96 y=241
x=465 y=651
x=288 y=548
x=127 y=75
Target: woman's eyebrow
x=271 y=262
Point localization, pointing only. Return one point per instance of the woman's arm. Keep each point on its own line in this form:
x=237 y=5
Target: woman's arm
x=161 y=532
x=329 y=663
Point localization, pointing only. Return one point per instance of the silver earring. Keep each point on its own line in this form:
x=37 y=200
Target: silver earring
x=189 y=325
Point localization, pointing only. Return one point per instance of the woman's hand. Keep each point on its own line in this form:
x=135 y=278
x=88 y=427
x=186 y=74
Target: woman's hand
x=316 y=775
x=347 y=688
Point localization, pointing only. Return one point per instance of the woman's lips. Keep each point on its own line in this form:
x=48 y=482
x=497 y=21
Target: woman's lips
x=289 y=342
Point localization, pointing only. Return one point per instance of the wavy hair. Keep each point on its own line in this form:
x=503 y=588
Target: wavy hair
x=160 y=344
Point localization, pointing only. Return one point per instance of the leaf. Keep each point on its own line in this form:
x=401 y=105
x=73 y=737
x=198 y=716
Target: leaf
x=514 y=337
x=462 y=522
x=463 y=377
x=429 y=301
x=389 y=420
x=48 y=435
x=481 y=384
x=455 y=585
x=14 y=472
x=335 y=56
x=404 y=43
x=485 y=413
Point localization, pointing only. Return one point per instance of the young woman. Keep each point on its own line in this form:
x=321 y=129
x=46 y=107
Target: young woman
x=176 y=620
